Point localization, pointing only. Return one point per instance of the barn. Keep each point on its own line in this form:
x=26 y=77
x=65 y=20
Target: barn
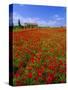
x=30 y=25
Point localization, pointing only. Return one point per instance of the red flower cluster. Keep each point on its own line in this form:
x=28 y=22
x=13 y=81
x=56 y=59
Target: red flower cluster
x=39 y=56
x=50 y=78
x=32 y=59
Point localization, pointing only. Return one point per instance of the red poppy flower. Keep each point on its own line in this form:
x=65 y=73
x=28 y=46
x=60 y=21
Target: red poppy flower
x=39 y=73
x=51 y=67
x=32 y=59
x=50 y=78
x=29 y=75
x=17 y=75
x=36 y=78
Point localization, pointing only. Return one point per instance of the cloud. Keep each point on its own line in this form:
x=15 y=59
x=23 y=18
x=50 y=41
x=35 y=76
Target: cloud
x=55 y=20
x=29 y=20
x=52 y=22
x=57 y=17
x=23 y=20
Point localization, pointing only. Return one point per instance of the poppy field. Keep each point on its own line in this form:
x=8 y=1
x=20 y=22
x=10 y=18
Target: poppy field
x=39 y=56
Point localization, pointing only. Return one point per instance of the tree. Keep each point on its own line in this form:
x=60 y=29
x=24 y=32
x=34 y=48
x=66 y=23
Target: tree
x=19 y=24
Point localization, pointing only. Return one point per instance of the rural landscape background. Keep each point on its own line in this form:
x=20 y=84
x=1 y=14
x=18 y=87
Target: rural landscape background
x=38 y=45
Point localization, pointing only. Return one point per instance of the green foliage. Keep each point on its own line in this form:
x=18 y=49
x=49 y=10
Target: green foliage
x=29 y=81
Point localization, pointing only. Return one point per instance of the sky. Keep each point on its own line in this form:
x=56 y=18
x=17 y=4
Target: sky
x=52 y=16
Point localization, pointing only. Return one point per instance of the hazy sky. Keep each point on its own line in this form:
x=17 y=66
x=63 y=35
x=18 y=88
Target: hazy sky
x=42 y=15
